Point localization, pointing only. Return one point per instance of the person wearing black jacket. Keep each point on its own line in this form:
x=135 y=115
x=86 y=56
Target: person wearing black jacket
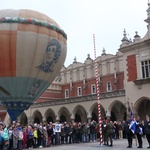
x=128 y=132
x=67 y=131
x=147 y=129
x=50 y=133
x=40 y=135
x=139 y=131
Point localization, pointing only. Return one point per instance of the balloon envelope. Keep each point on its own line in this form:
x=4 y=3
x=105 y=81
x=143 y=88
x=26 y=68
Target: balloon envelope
x=32 y=52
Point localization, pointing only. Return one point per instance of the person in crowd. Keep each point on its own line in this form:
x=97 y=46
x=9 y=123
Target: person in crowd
x=15 y=134
x=24 y=141
x=40 y=135
x=74 y=133
x=35 y=137
x=5 y=138
x=45 y=136
x=104 y=132
x=67 y=131
x=84 y=132
x=54 y=138
x=143 y=135
x=97 y=134
x=128 y=132
x=20 y=138
x=92 y=131
x=147 y=129
x=50 y=133
x=88 y=132
x=120 y=130
x=139 y=131
x=30 y=136
x=62 y=134
x=78 y=133
x=116 y=131
x=70 y=133
x=109 y=132
x=10 y=137
x=1 y=138
x=123 y=131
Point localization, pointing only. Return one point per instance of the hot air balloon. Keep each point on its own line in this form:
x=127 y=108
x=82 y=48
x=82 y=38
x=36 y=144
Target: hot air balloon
x=32 y=52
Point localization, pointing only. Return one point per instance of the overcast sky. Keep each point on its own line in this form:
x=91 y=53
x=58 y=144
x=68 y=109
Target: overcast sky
x=80 y=19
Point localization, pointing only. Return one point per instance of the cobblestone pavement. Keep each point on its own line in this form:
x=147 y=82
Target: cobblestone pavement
x=120 y=144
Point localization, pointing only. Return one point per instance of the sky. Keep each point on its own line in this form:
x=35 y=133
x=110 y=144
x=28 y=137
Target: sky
x=80 y=19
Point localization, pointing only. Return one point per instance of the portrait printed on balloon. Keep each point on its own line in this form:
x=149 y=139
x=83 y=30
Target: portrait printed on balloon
x=34 y=89
x=52 y=55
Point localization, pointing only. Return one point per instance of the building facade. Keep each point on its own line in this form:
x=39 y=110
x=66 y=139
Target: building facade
x=123 y=81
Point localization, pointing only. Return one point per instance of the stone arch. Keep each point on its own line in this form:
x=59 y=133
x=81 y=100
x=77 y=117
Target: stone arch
x=94 y=112
x=37 y=117
x=50 y=115
x=117 y=110
x=80 y=114
x=64 y=115
x=23 y=119
x=141 y=107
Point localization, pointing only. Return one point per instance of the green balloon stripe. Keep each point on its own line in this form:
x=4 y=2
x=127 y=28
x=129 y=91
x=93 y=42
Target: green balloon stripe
x=33 y=21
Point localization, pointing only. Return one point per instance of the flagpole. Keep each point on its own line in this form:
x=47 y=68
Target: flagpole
x=98 y=93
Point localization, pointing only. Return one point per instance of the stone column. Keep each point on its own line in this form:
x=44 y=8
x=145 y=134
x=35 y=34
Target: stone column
x=72 y=120
x=108 y=113
x=57 y=118
x=89 y=120
x=18 y=120
x=89 y=116
x=72 y=117
x=30 y=120
x=43 y=119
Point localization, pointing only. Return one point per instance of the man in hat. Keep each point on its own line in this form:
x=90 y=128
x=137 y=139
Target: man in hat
x=147 y=129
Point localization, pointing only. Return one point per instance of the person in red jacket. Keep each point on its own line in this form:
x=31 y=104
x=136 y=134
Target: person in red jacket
x=24 y=141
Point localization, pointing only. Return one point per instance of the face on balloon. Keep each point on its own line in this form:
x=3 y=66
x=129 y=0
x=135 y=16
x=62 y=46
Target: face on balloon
x=52 y=55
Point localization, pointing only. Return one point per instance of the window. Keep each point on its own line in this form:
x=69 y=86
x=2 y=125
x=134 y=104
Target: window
x=145 y=66
x=109 y=88
x=79 y=91
x=93 y=89
x=66 y=93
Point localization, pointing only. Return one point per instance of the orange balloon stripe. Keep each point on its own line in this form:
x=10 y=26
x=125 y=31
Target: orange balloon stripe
x=40 y=30
x=8 y=53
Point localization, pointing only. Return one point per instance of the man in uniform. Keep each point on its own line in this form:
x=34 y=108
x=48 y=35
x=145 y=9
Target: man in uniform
x=109 y=132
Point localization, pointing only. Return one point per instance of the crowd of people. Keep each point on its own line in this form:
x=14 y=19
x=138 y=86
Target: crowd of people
x=17 y=137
